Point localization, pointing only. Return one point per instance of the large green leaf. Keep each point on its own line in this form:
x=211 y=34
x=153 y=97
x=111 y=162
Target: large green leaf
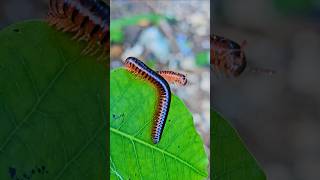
x=229 y=157
x=53 y=104
x=179 y=154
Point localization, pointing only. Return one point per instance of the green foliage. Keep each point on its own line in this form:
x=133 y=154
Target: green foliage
x=294 y=6
x=52 y=106
x=229 y=157
x=117 y=25
x=203 y=58
x=179 y=154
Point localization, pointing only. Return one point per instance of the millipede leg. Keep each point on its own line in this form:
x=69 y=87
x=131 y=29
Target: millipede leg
x=78 y=34
x=68 y=27
x=76 y=28
x=52 y=7
x=95 y=52
x=60 y=9
x=84 y=37
x=52 y=20
x=102 y=55
x=88 y=48
x=62 y=24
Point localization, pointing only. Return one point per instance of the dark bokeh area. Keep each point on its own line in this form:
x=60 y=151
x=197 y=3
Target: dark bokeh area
x=277 y=116
x=18 y=10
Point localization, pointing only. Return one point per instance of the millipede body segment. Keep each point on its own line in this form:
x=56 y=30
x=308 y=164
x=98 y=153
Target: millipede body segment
x=174 y=77
x=227 y=56
x=138 y=68
x=88 y=19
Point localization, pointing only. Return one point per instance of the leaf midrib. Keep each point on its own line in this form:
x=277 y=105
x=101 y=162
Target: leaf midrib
x=130 y=137
x=34 y=107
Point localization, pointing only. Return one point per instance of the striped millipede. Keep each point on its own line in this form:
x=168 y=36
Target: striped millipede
x=229 y=57
x=173 y=77
x=87 y=19
x=141 y=70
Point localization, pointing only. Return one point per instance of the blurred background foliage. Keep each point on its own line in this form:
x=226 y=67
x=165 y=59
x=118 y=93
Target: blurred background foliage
x=277 y=116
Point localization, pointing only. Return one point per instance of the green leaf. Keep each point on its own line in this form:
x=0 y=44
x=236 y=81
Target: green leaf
x=229 y=157
x=179 y=154
x=52 y=106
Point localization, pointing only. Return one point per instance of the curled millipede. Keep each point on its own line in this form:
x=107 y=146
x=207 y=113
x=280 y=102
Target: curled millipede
x=138 y=68
x=174 y=77
x=88 y=20
x=229 y=57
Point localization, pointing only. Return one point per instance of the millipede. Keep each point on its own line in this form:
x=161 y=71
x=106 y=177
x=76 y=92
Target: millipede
x=174 y=77
x=88 y=20
x=141 y=70
x=229 y=57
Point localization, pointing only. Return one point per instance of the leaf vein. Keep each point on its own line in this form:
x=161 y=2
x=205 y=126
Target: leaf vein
x=137 y=159
x=77 y=155
x=34 y=107
x=158 y=149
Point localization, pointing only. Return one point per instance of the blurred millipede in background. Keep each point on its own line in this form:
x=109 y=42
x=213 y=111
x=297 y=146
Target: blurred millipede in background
x=229 y=57
x=88 y=20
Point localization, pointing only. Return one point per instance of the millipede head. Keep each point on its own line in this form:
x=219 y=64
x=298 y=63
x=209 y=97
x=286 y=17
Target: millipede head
x=227 y=56
x=184 y=80
x=236 y=66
